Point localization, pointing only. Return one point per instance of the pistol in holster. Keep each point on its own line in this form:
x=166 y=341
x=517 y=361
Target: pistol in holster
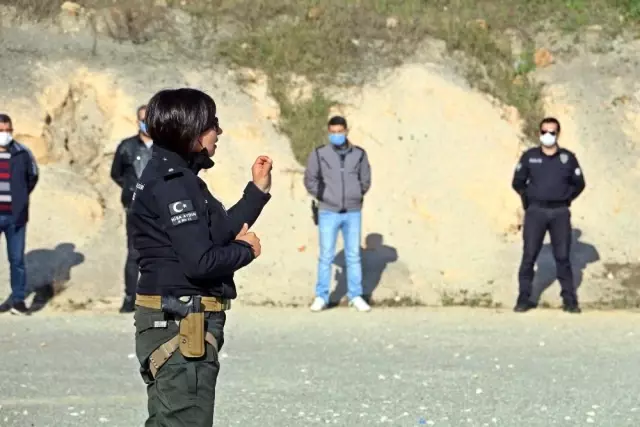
x=190 y=316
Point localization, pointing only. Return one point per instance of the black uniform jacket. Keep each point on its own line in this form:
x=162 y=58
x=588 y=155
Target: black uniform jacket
x=548 y=181
x=184 y=235
x=128 y=164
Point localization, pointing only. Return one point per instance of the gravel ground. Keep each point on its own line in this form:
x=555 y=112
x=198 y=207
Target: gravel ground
x=403 y=367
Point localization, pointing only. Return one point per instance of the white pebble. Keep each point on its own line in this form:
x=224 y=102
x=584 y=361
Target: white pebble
x=478 y=391
x=224 y=356
x=103 y=419
x=381 y=377
x=510 y=366
x=364 y=405
x=595 y=406
x=25 y=412
x=541 y=343
x=74 y=414
x=467 y=357
x=498 y=367
x=591 y=414
x=456 y=355
x=307 y=382
x=567 y=418
x=590 y=420
x=383 y=418
x=303 y=370
x=396 y=376
x=390 y=346
x=543 y=408
x=131 y=356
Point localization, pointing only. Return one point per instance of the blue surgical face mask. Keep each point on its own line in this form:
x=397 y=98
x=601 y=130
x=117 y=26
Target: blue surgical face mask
x=337 y=138
x=142 y=126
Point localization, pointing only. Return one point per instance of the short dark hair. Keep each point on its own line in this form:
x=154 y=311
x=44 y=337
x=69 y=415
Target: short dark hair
x=337 y=121
x=550 y=120
x=176 y=117
x=4 y=118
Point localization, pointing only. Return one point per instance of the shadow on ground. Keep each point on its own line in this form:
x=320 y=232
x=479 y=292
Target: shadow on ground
x=376 y=256
x=48 y=271
x=582 y=254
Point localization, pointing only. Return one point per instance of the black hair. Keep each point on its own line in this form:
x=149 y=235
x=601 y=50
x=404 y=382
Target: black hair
x=4 y=118
x=177 y=117
x=337 y=121
x=550 y=120
x=140 y=108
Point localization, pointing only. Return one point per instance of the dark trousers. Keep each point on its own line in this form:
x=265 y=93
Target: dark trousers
x=184 y=390
x=131 y=264
x=16 y=240
x=537 y=222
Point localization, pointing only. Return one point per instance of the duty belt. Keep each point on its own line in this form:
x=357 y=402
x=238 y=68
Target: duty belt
x=189 y=314
x=212 y=304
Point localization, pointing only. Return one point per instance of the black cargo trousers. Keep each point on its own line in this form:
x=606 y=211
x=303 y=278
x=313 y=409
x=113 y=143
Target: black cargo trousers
x=537 y=221
x=183 y=392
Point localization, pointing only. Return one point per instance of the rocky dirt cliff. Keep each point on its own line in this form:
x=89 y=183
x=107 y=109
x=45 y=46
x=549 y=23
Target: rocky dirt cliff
x=441 y=224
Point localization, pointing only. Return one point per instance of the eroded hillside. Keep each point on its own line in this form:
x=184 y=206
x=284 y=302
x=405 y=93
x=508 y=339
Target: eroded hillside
x=442 y=219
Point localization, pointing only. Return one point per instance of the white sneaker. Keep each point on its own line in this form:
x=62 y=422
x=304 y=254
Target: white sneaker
x=359 y=304
x=318 y=304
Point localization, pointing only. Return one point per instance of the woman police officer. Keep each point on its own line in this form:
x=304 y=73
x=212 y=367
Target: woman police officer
x=189 y=247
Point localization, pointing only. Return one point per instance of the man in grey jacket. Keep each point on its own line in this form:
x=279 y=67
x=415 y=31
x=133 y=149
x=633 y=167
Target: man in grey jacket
x=338 y=175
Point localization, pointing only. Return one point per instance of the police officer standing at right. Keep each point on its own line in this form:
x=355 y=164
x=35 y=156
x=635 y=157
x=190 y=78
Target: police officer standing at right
x=548 y=178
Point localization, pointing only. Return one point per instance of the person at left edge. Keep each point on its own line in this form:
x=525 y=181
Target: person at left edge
x=18 y=177
x=189 y=246
x=129 y=161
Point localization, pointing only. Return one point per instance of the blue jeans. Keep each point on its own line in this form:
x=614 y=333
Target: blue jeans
x=329 y=223
x=16 y=238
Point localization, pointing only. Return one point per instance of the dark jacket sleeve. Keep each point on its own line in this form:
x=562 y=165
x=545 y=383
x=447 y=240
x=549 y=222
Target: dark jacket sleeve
x=33 y=173
x=312 y=175
x=365 y=173
x=520 y=179
x=577 y=182
x=117 y=167
x=248 y=208
x=182 y=212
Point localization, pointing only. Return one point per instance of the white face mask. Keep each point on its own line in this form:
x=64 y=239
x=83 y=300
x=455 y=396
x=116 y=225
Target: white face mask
x=548 y=140
x=5 y=139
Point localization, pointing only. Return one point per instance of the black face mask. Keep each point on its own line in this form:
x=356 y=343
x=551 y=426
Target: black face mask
x=199 y=160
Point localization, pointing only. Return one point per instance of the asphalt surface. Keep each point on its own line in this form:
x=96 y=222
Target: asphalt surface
x=289 y=367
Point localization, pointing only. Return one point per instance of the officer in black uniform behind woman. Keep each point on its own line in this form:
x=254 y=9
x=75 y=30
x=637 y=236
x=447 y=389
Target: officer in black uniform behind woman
x=189 y=247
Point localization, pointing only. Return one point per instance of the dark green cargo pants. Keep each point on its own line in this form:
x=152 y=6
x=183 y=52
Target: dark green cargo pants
x=183 y=392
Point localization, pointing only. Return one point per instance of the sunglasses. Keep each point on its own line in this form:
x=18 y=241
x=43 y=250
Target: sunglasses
x=550 y=132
